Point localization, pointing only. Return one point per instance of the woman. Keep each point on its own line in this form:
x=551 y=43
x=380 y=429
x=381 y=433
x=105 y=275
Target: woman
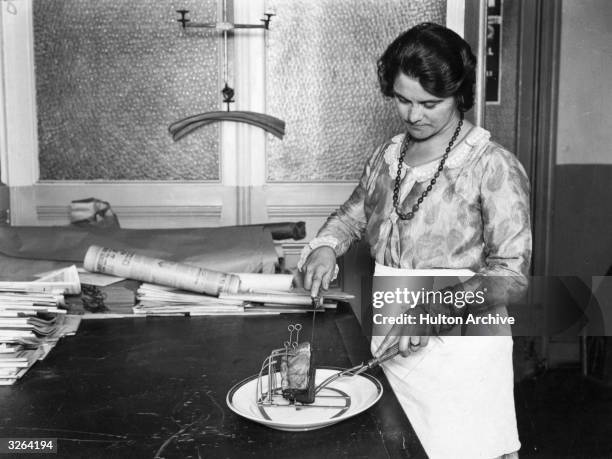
x=442 y=195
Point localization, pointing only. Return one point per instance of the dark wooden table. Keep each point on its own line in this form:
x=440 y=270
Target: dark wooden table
x=131 y=388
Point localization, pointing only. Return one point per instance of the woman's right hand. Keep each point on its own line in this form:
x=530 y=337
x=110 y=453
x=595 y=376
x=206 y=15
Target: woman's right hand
x=411 y=336
x=319 y=269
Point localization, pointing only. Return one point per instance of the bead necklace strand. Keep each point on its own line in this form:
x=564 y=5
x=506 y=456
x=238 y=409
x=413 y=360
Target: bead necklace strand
x=398 y=178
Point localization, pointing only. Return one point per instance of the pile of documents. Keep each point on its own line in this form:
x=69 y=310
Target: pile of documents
x=159 y=300
x=261 y=294
x=33 y=319
x=173 y=288
x=153 y=299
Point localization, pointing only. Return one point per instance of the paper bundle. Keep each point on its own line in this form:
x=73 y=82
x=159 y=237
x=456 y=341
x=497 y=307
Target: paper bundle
x=260 y=294
x=159 y=300
x=60 y=282
x=32 y=320
x=155 y=299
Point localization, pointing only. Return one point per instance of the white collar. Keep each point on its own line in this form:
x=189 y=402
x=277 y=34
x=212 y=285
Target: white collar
x=457 y=156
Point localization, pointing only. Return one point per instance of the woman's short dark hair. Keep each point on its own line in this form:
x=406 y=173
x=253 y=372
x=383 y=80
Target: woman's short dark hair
x=437 y=57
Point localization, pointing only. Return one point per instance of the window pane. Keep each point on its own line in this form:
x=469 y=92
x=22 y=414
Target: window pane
x=321 y=79
x=111 y=75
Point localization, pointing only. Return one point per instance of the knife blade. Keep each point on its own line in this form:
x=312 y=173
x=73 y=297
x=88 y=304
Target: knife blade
x=317 y=302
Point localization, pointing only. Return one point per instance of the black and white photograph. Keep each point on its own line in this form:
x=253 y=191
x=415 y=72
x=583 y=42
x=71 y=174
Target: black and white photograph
x=306 y=229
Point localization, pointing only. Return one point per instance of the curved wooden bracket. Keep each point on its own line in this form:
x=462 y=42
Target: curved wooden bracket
x=187 y=125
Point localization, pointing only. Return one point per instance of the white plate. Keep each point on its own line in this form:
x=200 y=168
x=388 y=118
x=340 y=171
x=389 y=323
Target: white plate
x=363 y=391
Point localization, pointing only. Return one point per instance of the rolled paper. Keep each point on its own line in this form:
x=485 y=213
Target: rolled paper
x=127 y=264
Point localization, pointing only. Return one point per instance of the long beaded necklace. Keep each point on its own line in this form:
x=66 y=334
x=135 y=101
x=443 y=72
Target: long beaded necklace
x=398 y=178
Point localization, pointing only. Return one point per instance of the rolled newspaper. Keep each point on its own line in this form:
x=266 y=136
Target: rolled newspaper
x=156 y=271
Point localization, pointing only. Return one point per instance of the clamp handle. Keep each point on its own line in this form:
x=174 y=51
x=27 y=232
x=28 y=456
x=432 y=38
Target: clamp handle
x=388 y=354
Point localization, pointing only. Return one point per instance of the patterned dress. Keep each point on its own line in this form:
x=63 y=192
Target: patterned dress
x=475 y=217
x=458 y=394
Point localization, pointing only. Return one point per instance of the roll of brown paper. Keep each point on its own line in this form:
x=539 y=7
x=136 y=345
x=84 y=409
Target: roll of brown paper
x=127 y=264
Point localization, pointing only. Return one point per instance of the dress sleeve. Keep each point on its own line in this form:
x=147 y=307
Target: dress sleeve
x=504 y=194
x=505 y=204
x=346 y=224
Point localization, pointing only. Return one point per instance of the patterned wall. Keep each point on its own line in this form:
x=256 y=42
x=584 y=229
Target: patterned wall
x=321 y=79
x=111 y=75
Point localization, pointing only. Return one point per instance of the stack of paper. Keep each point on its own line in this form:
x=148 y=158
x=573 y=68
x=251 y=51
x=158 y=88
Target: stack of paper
x=63 y=281
x=32 y=320
x=294 y=300
x=159 y=300
x=15 y=361
x=259 y=294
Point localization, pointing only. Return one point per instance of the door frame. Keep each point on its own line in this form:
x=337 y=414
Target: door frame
x=536 y=121
x=536 y=116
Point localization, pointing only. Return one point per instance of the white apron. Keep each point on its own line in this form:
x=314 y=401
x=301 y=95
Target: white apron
x=457 y=392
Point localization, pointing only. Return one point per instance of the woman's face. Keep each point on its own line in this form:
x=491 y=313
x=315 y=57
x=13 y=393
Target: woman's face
x=424 y=114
